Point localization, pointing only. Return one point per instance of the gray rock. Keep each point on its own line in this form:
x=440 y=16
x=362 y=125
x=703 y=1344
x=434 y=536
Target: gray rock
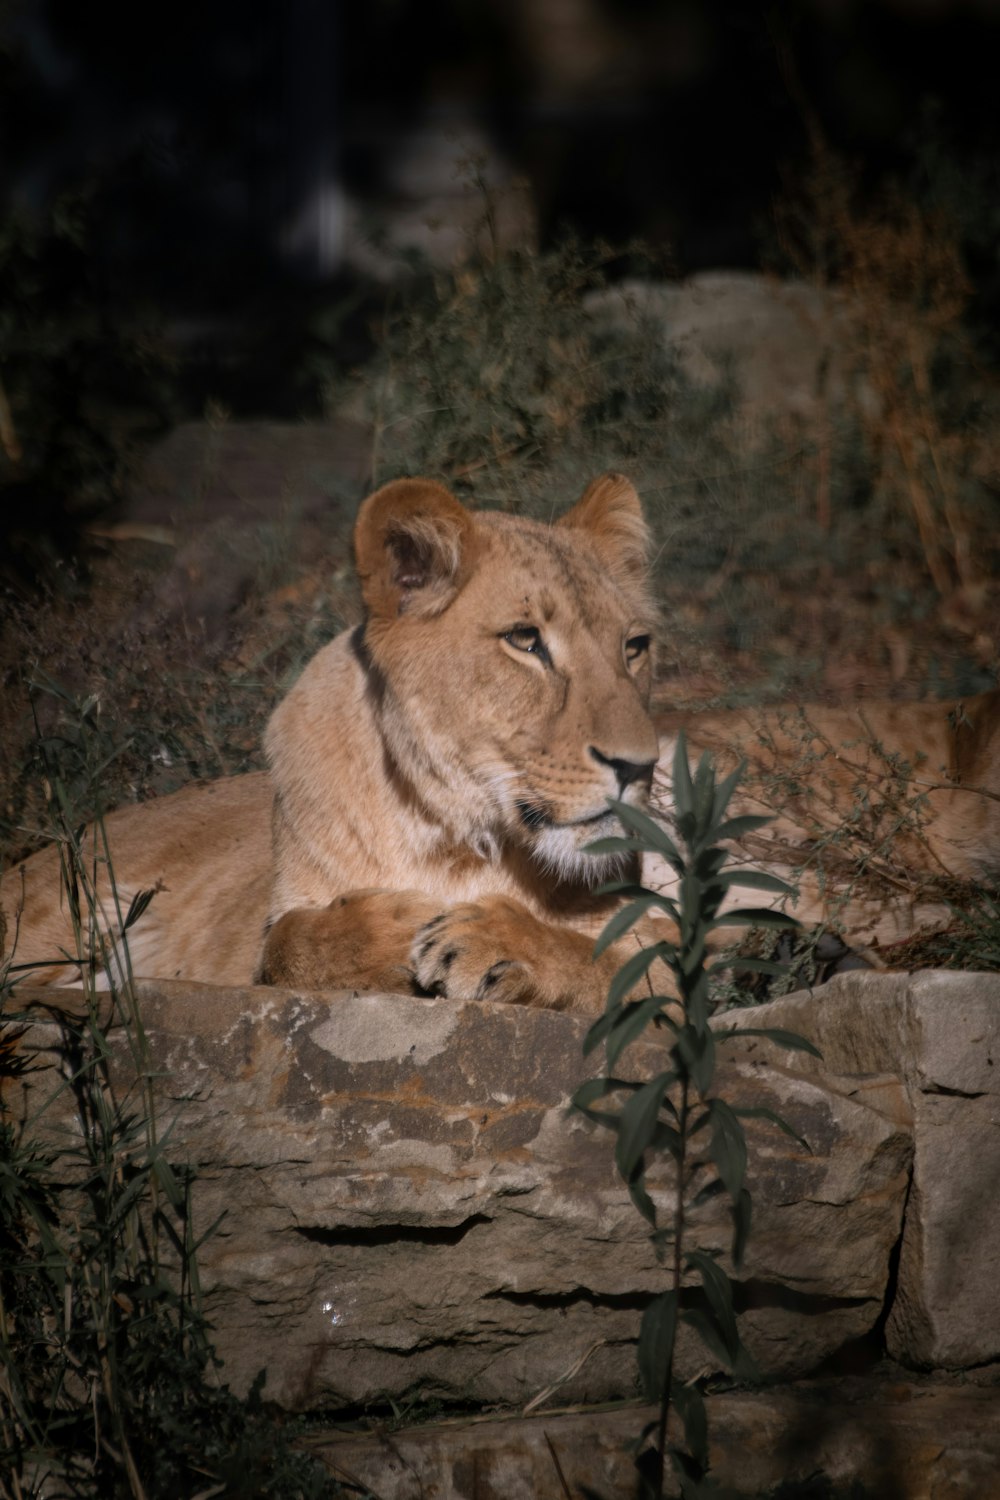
x=786 y=342
x=250 y=473
x=408 y=1207
x=940 y=1031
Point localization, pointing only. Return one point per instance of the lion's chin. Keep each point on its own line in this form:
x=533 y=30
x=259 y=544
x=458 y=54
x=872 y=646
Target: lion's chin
x=560 y=850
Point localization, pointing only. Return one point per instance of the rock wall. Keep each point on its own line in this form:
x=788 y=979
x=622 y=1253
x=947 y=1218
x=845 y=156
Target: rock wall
x=940 y=1034
x=408 y=1208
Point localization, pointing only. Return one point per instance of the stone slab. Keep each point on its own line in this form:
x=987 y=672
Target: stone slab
x=940 y=1032
x=406 y=1206
x=843 y=1440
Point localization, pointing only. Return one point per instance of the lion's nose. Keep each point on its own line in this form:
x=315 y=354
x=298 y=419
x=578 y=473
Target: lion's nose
x=626 y=771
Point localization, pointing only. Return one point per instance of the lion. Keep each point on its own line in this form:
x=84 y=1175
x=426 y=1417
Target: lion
x=437 y=774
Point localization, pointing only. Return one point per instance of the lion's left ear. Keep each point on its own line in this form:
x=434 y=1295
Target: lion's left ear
x=609 y=511
x=413 y=544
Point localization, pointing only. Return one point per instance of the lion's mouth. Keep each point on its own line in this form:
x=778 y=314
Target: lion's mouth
x=535 y=817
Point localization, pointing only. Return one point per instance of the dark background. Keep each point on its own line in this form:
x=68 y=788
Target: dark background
x=203 y=129
x=178 y=178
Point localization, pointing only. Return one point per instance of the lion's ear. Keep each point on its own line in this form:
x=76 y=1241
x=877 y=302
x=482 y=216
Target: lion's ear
x=610 y=512
x=412 y=544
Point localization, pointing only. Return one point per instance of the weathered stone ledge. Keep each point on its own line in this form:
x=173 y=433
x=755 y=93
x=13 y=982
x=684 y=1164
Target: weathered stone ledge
x=408 y=1208
x=939 y=1034
x=869 y=1439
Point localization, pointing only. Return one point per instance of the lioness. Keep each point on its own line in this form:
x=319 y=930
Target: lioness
x=436 y=774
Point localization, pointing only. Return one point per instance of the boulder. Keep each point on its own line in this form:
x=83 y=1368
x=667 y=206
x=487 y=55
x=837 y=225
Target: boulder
x=407 y=1206
x=786 y=342
x=940 y=1032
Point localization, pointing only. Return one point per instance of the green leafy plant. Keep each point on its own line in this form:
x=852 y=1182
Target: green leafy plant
x=678 y=1113
x=109 y=1385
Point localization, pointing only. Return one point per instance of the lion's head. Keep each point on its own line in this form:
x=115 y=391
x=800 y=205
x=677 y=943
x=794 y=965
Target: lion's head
x=511 y=663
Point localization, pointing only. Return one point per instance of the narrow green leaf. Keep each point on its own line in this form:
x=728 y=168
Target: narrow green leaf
x=595 y=1036
x=741 y=965
x=690 y=903
x=735 y=828
x=616 y=843
x=741 y=1227
x=639 y=1118
x=763 y=1113
x=691 y=1406
x=631 y=889
x=681 y=776
x=695 y=989
x=728 y=1148
x=648 y=829
x=692 y=959
x=621 y=922
x=704 y=791
x=776 y=1034
x=590 y=1091
x=709 y=863
x=609 y=1118
x=634 y=968
x=629 y=1023
x=594 y=1089
x=754 y=916
x=665 y=1137
x=643 y=1202
x=724 y=792
x=708 y=1330
x=656 y=1343
x=756 y=880
x=719 y=1291
x=697 y=1049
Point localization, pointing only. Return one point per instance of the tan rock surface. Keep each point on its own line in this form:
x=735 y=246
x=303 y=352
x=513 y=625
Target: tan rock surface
x=407 y=1206
x=940 y=1031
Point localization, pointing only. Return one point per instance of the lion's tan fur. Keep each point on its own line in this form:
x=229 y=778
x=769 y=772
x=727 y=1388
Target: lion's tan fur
x=401 y=765
x=876 y=808
x=433 y=778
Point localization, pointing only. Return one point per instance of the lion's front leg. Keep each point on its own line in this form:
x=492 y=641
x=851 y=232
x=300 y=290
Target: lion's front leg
x=361 y=941
x=495 y=949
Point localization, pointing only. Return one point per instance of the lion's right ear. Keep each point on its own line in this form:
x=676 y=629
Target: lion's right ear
x=413 y=544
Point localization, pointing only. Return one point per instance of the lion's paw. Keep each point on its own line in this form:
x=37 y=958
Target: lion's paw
x=362 y=941
x=477 y=950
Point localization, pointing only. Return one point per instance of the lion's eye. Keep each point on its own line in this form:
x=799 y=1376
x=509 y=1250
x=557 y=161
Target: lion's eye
x=527 y=638
x=635 y=647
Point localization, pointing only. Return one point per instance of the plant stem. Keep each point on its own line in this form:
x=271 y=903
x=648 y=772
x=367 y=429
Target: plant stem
x=668 y=1374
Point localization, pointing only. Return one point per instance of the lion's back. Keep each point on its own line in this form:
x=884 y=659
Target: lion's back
x=206 y=854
